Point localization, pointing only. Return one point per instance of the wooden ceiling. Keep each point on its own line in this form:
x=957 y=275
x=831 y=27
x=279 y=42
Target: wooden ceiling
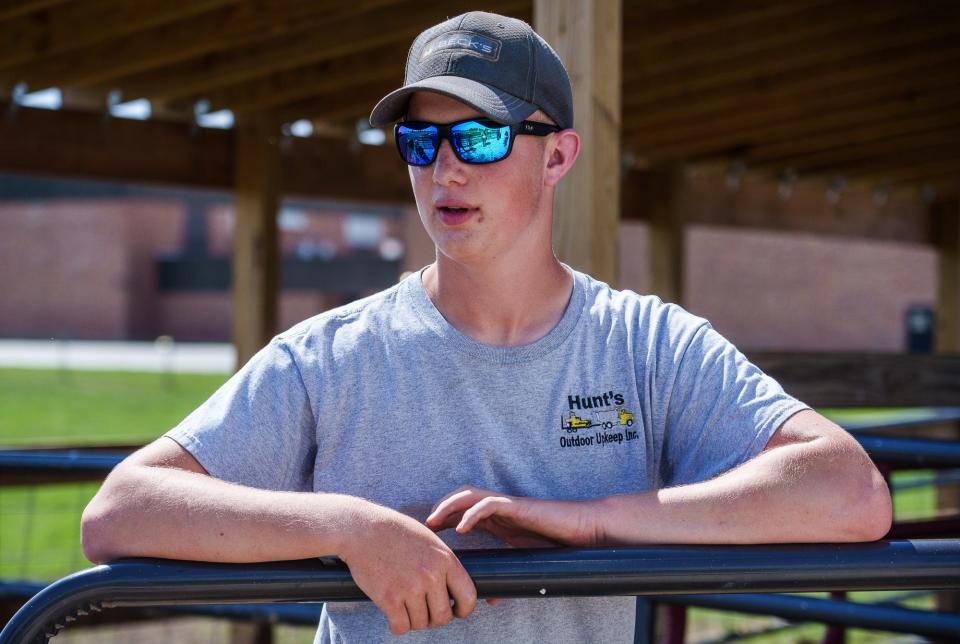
x=866 y=91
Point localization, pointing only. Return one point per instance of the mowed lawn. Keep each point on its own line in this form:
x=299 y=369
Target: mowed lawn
x=40 y=407
x=39 y=530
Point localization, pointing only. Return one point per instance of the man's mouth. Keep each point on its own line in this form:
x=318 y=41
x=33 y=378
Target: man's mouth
x=454 y=215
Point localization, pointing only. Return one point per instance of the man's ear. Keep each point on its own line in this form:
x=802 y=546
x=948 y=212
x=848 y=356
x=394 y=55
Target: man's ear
x=562 y=152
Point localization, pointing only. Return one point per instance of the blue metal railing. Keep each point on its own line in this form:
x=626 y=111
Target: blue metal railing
x=652 y=570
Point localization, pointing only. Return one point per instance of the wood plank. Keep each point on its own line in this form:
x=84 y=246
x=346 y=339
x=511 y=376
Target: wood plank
x=943 y=153
x=859 y=82
x=256 y=251
x=853 y=142
x=325 y=77
x=791 y=123
x=220 y=69
x=15 y=8
x=917 y=173
x=946 y=219
x=587 y=36
x=667 y=232
x=756 y=204
x=650 y=26
x=860 y=39
x=351 y=105
x=946 y=222
x=88 y=146
x=738 y=42
x=212 y=31
x=865 y=379
x=82 y=24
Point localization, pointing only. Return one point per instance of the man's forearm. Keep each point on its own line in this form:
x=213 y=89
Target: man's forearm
x=804 y=492
x=163 y=512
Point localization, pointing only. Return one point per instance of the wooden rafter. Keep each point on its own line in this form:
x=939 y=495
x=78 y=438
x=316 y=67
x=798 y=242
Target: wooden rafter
x=89 y=146
x=82 y=24
x=16 y=8
x=904 y=31
x=225 y=28
x=646 y=25
x=397 y=24
x=328 y=76
x=897 y=151
x=792 y=123
x=894 y=73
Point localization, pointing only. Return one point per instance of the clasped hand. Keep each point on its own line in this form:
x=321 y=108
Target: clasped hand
x=412 y=575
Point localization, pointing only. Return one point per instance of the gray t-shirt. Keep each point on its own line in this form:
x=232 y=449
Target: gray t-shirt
x=384 y=399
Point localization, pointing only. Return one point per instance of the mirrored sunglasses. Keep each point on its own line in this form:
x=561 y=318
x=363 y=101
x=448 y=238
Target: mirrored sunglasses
x=475 y=141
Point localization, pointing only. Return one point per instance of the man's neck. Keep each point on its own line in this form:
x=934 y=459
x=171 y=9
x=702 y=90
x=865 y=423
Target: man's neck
x=500 y=304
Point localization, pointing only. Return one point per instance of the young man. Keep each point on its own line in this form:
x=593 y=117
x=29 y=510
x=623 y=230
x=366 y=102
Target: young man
x=495 y=397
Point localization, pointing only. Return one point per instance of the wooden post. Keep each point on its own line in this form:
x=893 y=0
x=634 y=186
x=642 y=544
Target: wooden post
x=667 y=246
x=587 y=36
x=256 y=257
x=250 y=633
x=946 y=227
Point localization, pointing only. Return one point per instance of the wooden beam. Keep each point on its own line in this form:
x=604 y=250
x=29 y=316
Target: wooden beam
x=946 y=223
x=892 y=72
x=15 y=8
x=865 y=379
x=941 y=161
x=757 y=204
x=587 y=36
x=661 y=25
x=351 y=105
x=946 y=216
x=852 y=143
x=336 y=76
x=93 y=147
x=217 y=30
x=82 y=24
x=908 y=162
x=88 y=146
x=377 y=26
x=256 y=252
x=860 y=38
x=793 y=123
x=786 y=97
x=792 y=29
x=667 y=232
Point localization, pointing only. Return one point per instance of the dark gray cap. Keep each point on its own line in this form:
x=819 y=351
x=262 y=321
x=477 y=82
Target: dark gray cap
x=497 y=65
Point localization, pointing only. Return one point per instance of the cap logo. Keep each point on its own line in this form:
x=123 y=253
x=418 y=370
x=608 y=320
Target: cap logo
x=472 y=43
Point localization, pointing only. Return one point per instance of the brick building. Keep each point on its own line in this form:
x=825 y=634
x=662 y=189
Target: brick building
x=85 y=266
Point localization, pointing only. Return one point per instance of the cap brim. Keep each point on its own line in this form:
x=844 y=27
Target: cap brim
x=489 y=101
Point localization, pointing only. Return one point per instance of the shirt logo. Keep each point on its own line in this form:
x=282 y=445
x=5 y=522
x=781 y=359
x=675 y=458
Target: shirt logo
x=469 y=41
x=603 y=420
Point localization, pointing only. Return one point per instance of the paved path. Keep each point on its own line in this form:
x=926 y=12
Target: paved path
x=178 y=357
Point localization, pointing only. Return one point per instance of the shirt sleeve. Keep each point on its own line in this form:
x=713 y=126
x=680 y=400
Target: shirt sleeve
x=258 y=429
x=720 y=408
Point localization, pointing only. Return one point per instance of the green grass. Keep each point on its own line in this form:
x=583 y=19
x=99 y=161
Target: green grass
x=40 y=530
x=41 y=407
x=39 y=526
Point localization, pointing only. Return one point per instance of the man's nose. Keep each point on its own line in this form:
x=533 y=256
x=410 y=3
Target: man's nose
x=447 y=168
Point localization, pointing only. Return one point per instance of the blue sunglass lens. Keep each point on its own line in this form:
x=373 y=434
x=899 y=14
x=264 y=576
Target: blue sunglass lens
x=417 y=147
x=478 y=143
x=474 y=142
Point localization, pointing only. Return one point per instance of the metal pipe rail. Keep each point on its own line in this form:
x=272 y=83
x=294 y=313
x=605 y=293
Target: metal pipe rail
x=831 y=611
x=32 y=466
x=651 y=570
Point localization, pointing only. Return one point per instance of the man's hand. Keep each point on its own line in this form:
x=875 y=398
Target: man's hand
x=406 y=570
x=519 y=521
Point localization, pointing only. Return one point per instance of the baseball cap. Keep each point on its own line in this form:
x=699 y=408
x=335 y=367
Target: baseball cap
x=498 y=65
